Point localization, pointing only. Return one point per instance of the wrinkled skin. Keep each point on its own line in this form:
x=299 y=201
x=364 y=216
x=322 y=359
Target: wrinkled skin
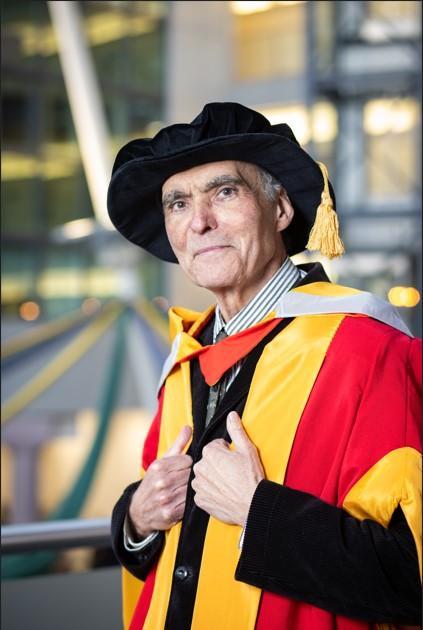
x=159 y=501
x=225 y=233
x=225 y=479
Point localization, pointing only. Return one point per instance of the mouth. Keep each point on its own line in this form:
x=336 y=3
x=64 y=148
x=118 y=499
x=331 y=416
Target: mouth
x=212 y=248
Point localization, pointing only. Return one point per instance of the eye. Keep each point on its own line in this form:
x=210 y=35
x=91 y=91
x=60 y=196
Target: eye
x=177 y=205
x=227 y=191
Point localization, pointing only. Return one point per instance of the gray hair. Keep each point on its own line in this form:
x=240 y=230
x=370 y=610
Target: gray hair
x=270 y=186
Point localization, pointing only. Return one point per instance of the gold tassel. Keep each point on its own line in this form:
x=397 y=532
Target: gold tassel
x=324 y=235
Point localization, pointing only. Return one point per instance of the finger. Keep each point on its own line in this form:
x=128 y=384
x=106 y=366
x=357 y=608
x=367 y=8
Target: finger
x=172 y=514
x=172 y=496
x=179 y=510
x=237 y=433
x=210 y=448
x=166 y=482
x=180 y=443
x=180 y=495
x=177 y=462
x=220 y=442
x=177 y=479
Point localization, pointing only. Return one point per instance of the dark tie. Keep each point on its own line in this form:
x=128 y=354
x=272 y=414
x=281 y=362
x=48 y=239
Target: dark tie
x=216 y=391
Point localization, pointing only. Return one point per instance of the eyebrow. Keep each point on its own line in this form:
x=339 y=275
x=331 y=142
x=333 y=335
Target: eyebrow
x=215 y=182
x=219 y=180
x=172 y=196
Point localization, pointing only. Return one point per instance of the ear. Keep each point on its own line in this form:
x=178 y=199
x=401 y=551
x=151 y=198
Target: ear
x=285 y=211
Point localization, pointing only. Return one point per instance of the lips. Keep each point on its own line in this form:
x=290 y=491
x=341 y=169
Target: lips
x=211 y=248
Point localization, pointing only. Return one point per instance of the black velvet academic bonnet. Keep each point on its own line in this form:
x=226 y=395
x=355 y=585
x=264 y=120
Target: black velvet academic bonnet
x=222 y=131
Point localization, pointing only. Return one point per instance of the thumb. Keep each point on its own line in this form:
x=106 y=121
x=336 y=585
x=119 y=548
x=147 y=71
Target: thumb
x=180 y=443
x=236 y=431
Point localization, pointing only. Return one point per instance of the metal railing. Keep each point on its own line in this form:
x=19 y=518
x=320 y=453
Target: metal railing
x=64 y=534
x=95 y=599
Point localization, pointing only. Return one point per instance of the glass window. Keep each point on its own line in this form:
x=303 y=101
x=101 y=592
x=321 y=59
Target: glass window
x=14 y=113
x=18 y=195
x=126 y=40
x=324 y=33
x=67 y=199
x=44 y=183
x=385 y=20
x=404 y=10
x=58 y=120
x=315 y=128
x=317 y=125
x=48 y=270
x=390 y=126
x=270 y=39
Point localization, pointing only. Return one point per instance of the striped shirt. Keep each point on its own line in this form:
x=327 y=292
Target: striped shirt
x=257 y=308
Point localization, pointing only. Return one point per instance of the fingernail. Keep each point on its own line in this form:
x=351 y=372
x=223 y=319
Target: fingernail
x=232 y=417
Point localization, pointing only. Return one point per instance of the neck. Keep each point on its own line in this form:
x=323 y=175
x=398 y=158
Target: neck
x=233 y=299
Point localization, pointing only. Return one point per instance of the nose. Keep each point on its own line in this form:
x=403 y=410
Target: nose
x=202 y=219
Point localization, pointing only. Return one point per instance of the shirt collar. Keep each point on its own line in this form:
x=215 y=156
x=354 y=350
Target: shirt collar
x=262 y=303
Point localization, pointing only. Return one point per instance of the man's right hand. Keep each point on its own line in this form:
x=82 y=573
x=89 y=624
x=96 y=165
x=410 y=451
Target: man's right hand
x=159 y=501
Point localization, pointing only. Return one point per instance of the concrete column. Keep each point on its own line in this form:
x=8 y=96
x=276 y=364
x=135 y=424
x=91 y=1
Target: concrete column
x=350 y=156
x=198 y=57
x=199 y=70
x=25 y=434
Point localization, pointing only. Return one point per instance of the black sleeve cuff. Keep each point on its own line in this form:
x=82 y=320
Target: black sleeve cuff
x=140 y=562
x=298 y=546
x=256 y=534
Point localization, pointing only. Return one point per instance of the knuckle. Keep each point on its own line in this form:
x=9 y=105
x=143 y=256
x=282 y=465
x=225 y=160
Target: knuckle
x=176 y=514
x=180 y=512
x=154 y=466
x=197 y=500
x=163 y=498
x=159 y=483
x=173 y=515
x=166 y=514
x=207 y=448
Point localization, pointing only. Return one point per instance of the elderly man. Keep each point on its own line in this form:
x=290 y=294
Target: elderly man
x=280 y=475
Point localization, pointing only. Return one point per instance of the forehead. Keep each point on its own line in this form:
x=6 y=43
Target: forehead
x=200 y=175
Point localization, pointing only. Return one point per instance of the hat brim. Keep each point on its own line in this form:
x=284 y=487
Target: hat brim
x=134 y=196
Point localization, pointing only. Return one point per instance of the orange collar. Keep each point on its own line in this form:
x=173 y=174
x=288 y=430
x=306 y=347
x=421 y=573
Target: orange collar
x=216 y=359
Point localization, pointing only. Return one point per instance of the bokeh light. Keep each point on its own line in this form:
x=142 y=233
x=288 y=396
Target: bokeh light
x=90 y=305
x=404 y=296
x=29 y=311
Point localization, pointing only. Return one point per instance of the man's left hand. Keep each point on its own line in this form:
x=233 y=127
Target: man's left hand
x=225 y=479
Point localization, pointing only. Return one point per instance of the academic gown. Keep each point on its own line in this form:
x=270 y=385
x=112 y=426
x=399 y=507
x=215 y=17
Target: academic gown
x=333 y=531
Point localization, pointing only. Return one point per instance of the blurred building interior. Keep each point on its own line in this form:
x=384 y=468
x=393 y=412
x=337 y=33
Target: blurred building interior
x=345 y=75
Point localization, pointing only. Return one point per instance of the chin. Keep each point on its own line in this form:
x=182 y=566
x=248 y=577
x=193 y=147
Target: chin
x=214 y=273
x=213 y=279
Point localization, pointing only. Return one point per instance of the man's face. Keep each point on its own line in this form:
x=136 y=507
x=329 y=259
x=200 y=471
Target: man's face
x=224 y=231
